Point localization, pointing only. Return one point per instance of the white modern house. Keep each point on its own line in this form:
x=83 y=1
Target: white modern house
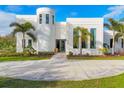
x=51 y=34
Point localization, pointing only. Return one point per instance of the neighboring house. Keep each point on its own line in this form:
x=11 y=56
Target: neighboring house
x=51 y=34
x=119 y=45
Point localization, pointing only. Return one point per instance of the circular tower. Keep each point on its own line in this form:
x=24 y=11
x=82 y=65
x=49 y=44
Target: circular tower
x=46 y=29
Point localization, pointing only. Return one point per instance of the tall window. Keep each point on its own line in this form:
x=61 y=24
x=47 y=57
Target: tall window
x=84 y=44
x=111 y=42
x=93 y=39
x=52 y=19
x=122 y=43
x=47 y=18
x=30 y=42
x=40 y=18
x=75 y=39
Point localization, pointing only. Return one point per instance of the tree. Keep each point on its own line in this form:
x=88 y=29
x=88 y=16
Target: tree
x=120 y=33
x=82 y=35
x=114 y=26
x=25 y=29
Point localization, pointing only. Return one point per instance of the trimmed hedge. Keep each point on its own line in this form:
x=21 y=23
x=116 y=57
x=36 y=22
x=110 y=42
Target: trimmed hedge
x=45 y=53
x=12 y=54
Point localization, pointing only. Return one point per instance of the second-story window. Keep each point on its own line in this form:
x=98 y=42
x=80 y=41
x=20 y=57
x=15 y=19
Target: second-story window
x=40 y=18
x=52 y=19
x=47 y=18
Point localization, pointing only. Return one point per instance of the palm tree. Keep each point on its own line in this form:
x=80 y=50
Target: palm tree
x=120 y=33
x=82 y=35
x=112 y=25
x=24 y=28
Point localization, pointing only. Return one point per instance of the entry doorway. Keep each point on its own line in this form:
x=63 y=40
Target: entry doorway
x=60 y=44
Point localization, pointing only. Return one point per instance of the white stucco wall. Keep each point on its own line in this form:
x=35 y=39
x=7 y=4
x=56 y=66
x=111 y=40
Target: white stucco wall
x=21 y=19
x=19 y=38
x=45 y=33
x=46 y=38
x=86 y=23
x=61 y=32
x=48 y=33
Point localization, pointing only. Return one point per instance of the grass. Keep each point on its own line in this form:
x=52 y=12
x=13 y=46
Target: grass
x=22 y=58
x=110 y=82
x=96 y=57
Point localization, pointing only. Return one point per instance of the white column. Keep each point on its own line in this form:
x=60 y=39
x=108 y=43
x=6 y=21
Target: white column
x=88 y=42
x=37 y=45
x=80 y=47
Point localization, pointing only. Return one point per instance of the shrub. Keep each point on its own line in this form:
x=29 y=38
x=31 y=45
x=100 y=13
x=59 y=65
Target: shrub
x=8 y=54
x=70 y=53
x=104 y=50
x=120 y=53
x=28 y=51
x=87 y=54
x=45 y=53
x=8 y=43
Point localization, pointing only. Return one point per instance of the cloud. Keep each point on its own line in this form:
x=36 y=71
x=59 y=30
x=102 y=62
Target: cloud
x=115 y=12
x=5 y=20
x=73 y=14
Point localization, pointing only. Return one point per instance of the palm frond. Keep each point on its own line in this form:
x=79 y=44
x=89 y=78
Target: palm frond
x=17 y=29
x=15 y=24
x=108 y=26
x=77 y=28
x=113 y=22
x=117 y=36
x=32 y=36
x=85 y=33
x=27 y=26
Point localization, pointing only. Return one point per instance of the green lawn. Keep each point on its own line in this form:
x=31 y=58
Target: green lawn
x=110 y=82
x=96 y=57
x=21 y=58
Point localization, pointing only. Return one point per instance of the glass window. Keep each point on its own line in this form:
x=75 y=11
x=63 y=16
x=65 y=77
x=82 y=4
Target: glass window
x=93 y=39
x=47 y=18
x=52 y=19
x=29 y=42
x=75 y=39
x=111 y=43
x=122 y=43
x=84 y=44
x=40 y=19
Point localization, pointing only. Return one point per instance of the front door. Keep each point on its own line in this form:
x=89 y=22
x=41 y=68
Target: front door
x=60 y=44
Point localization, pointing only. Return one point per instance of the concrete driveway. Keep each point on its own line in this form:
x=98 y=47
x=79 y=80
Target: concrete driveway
x=59 y=68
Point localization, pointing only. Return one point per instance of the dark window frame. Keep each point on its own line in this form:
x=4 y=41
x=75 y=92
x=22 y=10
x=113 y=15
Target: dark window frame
x=53 y=19
x=47 y=18
x=84 y=44
x=30 y=42
x=111 y=43
x=122 y=43
x=93 y=41
x=40 y=18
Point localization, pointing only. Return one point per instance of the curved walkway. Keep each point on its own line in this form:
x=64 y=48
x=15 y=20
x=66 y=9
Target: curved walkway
x=59 y=68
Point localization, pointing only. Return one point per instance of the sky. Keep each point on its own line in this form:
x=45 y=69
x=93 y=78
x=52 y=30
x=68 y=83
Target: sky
x=8 y=12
